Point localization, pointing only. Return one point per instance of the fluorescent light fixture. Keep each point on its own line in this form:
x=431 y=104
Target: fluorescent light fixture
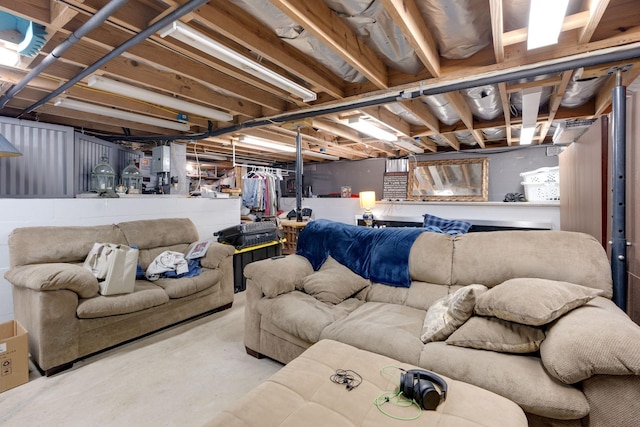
x=319 y=155
x=526 y=135
x=266 y=144
x=207 y=156
x=9 y=57
x=7 y=149
x=408 y=145
x=530 y=105
x=366 y=127
x=545 y=22
x=135 y=92
x=194 y=38
x=119 y=114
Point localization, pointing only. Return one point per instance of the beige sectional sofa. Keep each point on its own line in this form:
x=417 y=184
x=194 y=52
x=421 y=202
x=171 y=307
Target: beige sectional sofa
x=577 y=368
x=58 y=302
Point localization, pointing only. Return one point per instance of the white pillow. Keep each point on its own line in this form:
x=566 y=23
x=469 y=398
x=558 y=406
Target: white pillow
x=449 y=313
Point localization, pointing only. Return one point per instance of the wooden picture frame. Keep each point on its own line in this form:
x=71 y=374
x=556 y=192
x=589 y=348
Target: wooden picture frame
x=458 y=180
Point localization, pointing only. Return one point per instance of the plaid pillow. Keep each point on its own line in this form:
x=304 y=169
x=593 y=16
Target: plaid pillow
x=446 y=226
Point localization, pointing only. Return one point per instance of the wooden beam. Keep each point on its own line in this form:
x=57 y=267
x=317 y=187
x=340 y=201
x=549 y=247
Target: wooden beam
x=385 y=116
x=497 y=28
x=596 y=11
x=554 y=103
x=458 y=102
x=506 y=108
x=408 y=18
x=423 y=113
x=322 y=22
x=451 y=140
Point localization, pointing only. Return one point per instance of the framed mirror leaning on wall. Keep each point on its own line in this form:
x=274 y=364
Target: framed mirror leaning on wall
x=458 y=180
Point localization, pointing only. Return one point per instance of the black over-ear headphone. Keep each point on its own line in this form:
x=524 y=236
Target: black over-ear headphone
x=418 y=385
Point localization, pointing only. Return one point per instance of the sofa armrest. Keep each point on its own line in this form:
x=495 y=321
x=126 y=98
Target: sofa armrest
x=216 y=253
x=595 y=339
x=275 y=276
x=54 y=276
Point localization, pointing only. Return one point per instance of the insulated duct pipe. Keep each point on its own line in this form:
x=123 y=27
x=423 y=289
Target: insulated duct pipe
x=614 y=54
x=117 y=51
x=93 y=22
x=618 y=223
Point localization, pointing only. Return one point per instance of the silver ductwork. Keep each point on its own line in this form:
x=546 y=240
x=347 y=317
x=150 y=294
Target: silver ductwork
x=372 y=23
x=442 y=109
x=579 y=91
x=484 y=101
x=446 y=18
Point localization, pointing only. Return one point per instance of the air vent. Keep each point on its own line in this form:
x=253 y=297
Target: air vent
x=569 y=131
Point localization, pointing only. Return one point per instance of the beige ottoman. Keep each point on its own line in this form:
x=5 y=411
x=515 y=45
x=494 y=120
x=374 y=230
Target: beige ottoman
x=302 y=394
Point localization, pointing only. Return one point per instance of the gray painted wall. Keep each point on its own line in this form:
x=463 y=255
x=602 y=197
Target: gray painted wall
x=505 y=166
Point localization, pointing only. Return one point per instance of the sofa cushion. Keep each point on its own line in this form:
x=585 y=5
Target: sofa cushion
x=185 y=286
x=517 y=377
x=145 y=295
x=425 y=267
x=389 y=329
x=595 y=339
x=302 y=315
x=420 y=295
x=533 y=301
x=448 y=313
x=491 y=333
x=491 y=258
x=333 y=282
x=155 y=233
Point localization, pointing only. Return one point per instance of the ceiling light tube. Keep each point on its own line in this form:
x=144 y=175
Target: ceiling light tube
x=119 y=114
x=258 y=142
x=370 y=129
x=311 y=153
x=408 y=145
x=530 y=105
x=207 y=156
x=194 y=38
x=526 y=135
x=545 y=22
x=135 y=92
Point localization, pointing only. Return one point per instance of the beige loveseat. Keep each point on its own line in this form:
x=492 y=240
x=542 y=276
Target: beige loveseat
x=587 y=368
x=58 y=302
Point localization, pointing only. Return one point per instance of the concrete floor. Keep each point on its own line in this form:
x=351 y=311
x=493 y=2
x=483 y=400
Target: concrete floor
x=182 y=376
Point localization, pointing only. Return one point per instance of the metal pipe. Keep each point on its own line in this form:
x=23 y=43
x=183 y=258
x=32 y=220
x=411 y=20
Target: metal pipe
x=98 y=18
x=615 y=54
x=298 y=175
x=618 y=223
x=117 y=51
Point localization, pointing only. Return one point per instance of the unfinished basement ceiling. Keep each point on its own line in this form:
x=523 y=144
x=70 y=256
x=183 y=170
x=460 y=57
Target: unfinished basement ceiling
x=348 y=53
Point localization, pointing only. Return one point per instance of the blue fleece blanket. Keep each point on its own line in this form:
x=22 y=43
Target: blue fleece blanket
x=378 y=254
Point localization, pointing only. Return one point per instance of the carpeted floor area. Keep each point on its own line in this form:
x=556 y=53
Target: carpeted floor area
x=182 y=376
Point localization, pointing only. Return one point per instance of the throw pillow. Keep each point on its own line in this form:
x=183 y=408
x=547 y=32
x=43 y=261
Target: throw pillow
x=491 y=333
x=448 y=313
x=533 y=301
x=333 y=282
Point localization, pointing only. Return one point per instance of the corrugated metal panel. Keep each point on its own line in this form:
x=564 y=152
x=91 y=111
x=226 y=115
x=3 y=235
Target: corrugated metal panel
x=55 y=161
x=89 y=151
x=42 y=170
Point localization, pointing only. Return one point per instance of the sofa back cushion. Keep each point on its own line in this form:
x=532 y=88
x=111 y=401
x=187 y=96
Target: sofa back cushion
x=490 y=258
x=431 y=257
x=45 y=244
x=155 y=233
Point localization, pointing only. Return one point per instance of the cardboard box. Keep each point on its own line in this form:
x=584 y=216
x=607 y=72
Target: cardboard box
x=14 y=355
